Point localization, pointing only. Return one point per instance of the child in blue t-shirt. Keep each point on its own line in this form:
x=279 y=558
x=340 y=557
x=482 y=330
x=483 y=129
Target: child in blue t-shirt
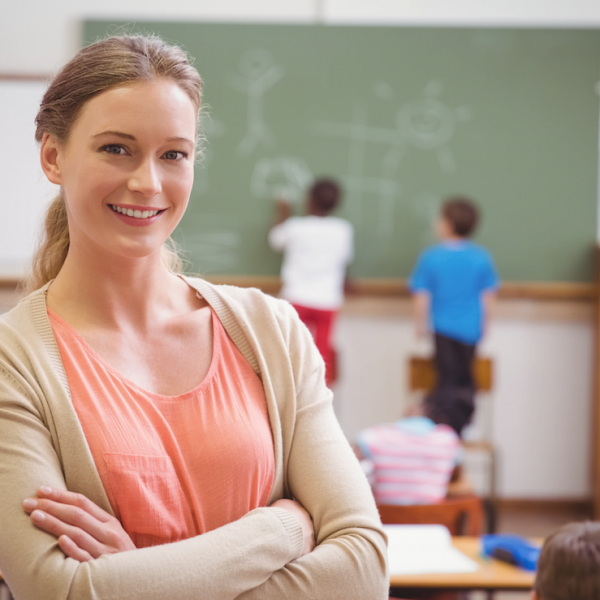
x=453 y=285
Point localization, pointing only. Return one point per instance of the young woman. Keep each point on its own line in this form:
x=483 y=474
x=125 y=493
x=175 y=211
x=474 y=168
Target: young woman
x=161 y=436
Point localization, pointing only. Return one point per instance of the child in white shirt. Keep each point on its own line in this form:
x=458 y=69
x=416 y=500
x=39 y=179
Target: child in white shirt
x=317 y=250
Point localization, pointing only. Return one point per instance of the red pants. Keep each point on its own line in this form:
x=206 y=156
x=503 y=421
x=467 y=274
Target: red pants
x=319 y=323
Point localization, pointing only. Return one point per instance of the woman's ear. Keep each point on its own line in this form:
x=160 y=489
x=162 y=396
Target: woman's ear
x=49 y=152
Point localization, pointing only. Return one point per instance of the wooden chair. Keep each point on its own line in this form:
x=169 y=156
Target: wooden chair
x=422 y=375
x=462 y=516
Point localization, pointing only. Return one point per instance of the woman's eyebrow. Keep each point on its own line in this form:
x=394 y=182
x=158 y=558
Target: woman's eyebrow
x=117 y=133
x=177 y=138
x=128 y=136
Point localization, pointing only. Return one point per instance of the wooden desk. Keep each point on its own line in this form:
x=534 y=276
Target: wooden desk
x=492 y=574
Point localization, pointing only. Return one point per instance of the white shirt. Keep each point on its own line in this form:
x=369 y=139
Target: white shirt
x=317 y=251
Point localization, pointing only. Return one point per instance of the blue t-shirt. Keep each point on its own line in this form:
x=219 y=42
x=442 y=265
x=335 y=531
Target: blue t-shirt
x=455 y=274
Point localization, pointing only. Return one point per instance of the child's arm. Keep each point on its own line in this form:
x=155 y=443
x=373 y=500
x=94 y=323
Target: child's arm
x=421 y=312
x=277 y=235
x=488 y=301
x=283 y=210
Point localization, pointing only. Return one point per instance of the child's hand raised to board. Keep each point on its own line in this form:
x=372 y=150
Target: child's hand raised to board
x=283 y=210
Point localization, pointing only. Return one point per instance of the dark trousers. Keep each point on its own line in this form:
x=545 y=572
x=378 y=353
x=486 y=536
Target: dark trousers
x=452 y=402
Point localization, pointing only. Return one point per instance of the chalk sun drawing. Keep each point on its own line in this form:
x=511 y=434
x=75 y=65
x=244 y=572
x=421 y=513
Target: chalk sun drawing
x=429 y=124
x=258 y=72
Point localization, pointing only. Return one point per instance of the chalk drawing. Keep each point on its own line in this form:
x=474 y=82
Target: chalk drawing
x=383 y=90
x=429 y=124
x=285 y=177
x=426 y=123
x=383 y=185
x=258 y=72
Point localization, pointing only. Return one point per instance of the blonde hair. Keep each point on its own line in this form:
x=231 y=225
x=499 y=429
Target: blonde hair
x=106 y=64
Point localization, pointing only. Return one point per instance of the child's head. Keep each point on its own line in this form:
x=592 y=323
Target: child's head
x=323 y=197
x=458 y=218
x=569 y=565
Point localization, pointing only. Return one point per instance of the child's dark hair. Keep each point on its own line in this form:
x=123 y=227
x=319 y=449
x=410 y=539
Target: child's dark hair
x=462 y=214
x=569 y=565
x=325 y=195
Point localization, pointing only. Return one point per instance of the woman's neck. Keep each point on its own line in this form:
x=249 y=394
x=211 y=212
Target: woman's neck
x=117 y=292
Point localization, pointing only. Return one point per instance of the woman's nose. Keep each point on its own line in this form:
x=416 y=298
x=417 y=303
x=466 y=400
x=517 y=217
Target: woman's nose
x=146 y=179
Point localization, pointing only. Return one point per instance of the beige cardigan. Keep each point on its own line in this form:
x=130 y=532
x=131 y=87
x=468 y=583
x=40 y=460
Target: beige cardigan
x=42 y=443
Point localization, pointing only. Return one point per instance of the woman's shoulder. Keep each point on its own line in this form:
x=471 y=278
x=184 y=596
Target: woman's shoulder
x=26 y=339
x=25 y=317
x=249 y=302
x=258 y=323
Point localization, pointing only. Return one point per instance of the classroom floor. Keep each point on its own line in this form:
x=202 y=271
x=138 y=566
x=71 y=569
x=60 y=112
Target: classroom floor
x=534 y=521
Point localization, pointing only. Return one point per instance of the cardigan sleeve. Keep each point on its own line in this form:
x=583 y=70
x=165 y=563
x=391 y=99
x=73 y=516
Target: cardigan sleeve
x=219 y=565
x=350 y=559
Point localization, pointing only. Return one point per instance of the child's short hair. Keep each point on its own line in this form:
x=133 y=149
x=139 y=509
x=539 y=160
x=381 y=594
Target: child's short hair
x=325 y=195
x=462 y=214
x=569 y=565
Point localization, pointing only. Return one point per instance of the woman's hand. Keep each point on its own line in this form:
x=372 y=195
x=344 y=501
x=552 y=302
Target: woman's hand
x=302 y=516
x=83 y=529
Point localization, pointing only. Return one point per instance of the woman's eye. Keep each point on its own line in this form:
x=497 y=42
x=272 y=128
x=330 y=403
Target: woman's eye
x=114 y=149
x=175 y=155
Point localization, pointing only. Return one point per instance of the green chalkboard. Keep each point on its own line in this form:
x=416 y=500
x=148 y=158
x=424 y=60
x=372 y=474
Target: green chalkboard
x=403 y=117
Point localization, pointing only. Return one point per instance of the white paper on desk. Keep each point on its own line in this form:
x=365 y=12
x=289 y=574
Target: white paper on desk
x=418 y=549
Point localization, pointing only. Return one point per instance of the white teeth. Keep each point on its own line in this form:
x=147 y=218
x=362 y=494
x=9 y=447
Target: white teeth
x=136 y=214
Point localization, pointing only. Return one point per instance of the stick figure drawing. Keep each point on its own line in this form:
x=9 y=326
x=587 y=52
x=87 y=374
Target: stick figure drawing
x=258 y=72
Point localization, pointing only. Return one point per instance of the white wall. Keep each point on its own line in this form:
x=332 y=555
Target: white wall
x=542 y=403
x=514 y=13
x=37 y=36
x=25 y=189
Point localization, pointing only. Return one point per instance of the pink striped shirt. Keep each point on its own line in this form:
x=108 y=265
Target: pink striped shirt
x=410 y=467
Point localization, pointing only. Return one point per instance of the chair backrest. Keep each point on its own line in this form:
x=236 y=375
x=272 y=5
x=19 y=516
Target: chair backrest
x=462 y=516
x=422 y=375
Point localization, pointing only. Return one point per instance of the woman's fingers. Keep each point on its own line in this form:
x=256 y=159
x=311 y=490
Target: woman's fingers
x=73 y=499
x=58 y=528
x=70 y=548
x=69 y=515
x=92 y=530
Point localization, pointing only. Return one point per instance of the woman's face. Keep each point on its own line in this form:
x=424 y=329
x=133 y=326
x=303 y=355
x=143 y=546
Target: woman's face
x=127 y=169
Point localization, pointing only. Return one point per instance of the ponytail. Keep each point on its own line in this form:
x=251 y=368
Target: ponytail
x=52 y=248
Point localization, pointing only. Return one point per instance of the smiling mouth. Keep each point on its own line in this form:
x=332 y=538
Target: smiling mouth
x=136 y=214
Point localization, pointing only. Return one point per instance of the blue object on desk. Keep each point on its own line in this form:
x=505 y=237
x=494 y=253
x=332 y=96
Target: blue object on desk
x=513 y=549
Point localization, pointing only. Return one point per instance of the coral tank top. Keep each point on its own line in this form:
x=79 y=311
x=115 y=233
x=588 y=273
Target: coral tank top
x=173 y=467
